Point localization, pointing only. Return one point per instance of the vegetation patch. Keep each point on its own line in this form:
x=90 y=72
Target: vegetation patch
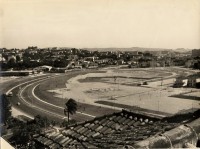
x=133 y=108
x=186 y=97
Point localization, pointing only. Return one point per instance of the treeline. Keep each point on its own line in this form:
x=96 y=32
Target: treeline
x=23 y=131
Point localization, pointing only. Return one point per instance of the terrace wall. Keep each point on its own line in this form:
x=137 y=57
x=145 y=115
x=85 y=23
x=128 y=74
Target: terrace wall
x=15 y=73
x=175 y=138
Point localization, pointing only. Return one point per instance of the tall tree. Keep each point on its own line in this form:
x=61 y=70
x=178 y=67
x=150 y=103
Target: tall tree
x=70 y=107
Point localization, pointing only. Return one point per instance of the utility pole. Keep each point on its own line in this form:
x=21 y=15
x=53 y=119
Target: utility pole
x=158 y=105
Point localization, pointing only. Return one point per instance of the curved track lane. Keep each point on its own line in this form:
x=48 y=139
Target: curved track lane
x=32 y=105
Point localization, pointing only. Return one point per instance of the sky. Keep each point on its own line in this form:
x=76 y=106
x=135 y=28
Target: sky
x=100 y=23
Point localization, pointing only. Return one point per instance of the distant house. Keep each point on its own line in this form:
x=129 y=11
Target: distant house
x=83 y=63
x=43 y=68
x=93 y=65
x=59 y=70
x=2 y=59
x=136 y=57
x=181 y=81
x=144 y=64
x=189 y=81
x=73 y=57
x=103 y=61
x=153 y=64
x=132 y=64
x=91 y=59
x=120 y=62
x=194 y=80
x=198 y=83
x=11 y=57
x=78 y=67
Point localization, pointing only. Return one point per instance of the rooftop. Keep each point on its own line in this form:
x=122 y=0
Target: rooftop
x=110 y=131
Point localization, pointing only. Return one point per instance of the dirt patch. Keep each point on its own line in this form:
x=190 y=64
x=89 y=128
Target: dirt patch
x=91 y=87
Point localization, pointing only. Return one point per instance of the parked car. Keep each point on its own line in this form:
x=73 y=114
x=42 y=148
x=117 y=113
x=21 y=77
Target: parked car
x=145 y=83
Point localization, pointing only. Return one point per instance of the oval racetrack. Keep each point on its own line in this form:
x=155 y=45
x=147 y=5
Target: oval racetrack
x=31 y=104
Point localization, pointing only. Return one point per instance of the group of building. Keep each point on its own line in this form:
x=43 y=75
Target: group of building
x=71 y=57
x=188 y=81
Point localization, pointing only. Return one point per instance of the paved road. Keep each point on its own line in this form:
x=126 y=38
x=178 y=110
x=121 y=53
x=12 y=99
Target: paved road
x=17 y=86
x=50 y=108
x=23 y=93
x=30 y=103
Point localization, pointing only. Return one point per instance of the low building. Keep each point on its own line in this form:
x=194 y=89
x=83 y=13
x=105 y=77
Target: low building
x=181 y=81
x=59 y=70
x=194 y=80
x=93 y=65
x=91 y=59
x=43 y=68
x=188 y=81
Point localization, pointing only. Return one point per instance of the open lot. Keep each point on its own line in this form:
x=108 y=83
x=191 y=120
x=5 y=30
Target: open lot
x=117 y=87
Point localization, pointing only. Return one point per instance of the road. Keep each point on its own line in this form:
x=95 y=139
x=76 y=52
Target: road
x=27 y=92
x=32 y=105
x=19 y=89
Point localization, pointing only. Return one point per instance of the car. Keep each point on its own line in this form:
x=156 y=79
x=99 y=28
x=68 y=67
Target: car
x=145 y=83
x=18 y=103
x=10 y=94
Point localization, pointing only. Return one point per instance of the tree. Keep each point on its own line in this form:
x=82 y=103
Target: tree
x=5 y=109
x=11 y=63
x=71 y=107
x=23 y=131
x=18 y=58
x=196 y=65
x=42 y=122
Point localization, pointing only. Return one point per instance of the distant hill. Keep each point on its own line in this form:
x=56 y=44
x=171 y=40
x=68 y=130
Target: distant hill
x=142 y=49
x=182 y=50
x=179 y=50
x=127 y=49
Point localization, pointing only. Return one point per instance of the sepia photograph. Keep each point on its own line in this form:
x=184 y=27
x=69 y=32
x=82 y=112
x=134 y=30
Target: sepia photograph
x=99 y=74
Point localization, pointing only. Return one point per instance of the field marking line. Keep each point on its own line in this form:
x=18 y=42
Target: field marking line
x=55 y=105
x=43 y=76
x=39 y=79
x=49 y=112
x=21 y=84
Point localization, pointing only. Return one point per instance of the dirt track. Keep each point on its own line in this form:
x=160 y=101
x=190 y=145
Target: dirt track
x=157 y=95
